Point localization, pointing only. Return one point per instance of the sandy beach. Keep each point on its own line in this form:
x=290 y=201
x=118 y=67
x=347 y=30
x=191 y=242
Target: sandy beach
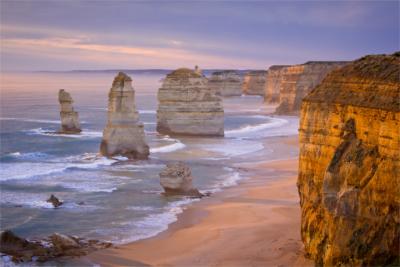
x=253 y=224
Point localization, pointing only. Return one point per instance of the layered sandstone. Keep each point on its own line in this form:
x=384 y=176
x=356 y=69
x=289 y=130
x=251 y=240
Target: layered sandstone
x=124 y=133
x=254 y=82
x=187 y=106
x=273 y=84
x=298 y=80
x=350 y=165
x=69 y=118
x=226 y=83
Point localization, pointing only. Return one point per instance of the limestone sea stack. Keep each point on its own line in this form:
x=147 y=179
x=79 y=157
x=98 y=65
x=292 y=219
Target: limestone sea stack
x=176 y=179
x=226 y=83
x=254 y=82
x=298 y=80
x=187 y=106
x=273 y=84
x=124 y=133
x=350 y=165
x=69 y=118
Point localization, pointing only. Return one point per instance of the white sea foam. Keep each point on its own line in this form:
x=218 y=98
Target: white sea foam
x=274 y=123
x=83 y=134
x=31 y=120
x=26 y=170
x=168 y=148
x=147 y=112
x=28 y=155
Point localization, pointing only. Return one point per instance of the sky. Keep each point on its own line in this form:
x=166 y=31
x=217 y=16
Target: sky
x=95 y=35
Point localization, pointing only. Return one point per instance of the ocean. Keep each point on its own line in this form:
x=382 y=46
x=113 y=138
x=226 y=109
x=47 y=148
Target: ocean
x=113 y=199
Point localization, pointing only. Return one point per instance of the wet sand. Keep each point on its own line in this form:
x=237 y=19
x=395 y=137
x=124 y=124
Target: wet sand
x=256 y=223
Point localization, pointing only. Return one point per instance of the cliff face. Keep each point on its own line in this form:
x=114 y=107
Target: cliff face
x=69 y=117
x=187 y=106
x=349 y=166
x=254 y=82
x=298 y=80
x=226 y=83
x=124 y=133
x=273 y=84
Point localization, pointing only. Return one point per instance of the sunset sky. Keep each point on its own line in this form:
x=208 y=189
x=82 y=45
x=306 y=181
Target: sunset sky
x=70 y=35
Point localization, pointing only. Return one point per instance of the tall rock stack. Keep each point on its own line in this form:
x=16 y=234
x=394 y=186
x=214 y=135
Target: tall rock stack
x=124 y=133
x=350 y=165
x=299 y=80
x=187 y=106
x=254 y=82
x=226 y=83
x=273 y=84
x=69 y=117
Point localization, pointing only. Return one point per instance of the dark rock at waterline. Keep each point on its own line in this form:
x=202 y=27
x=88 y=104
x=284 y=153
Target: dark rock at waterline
x=55 y=201
x=55 y=246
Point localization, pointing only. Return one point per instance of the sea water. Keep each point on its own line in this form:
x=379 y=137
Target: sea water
x=113 y=199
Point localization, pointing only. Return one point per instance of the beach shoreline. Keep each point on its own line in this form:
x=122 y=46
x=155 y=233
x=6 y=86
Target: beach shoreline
x=255 y=223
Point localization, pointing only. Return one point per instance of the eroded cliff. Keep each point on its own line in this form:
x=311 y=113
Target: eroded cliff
x=349 y=165
x=298 y=80
x=254 y=82
x=273 y=84
x=69 y=117
x=188 y=106
x=226 y=83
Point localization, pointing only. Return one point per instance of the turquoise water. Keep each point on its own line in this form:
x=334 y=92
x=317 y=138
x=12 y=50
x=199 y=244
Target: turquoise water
x=112 y=199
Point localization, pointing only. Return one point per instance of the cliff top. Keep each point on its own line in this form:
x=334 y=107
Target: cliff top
x=278 y=67
x=184 y=73
x=257 y=72
x=64 y=96
x=372 y=81
x=326 y=62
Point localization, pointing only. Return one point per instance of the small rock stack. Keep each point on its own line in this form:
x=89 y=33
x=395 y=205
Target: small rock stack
x=124 y=133
x=69 y=117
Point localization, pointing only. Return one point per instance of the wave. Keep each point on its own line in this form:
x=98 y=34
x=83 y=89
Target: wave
x=31 y=120
x=147 y=111
x=26 y=170
x=274 y=123
x=26 y=156
x=177 y=145
x=47 y=132
x=234 y=148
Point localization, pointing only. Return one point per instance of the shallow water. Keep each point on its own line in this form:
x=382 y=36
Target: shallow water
x=112 y=199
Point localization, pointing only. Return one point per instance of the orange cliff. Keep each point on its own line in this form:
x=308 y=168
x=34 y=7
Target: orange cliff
x=296 y=81
x=349 y=165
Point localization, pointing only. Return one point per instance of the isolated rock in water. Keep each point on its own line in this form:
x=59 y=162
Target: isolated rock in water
x=349 y=165
x=69 y=117
x=55 y=201
x=254 y=82
x=273 y=83
x=176 y=179
x=124 y=133
x=187 y=106
x=298 y=80
x=226 y=83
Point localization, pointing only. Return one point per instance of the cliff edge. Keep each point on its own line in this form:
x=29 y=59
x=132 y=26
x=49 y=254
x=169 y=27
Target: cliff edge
x=349 y=165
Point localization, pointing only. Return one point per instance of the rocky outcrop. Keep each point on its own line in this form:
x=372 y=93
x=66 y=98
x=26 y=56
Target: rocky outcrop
x=298 y=80
x=273 y=84
x=350 y=165
x=176 y=179
x=187 y=106
x=54 y=201
x=198 y=70
x=254 y=82
x=55 y=246
x=124 y=133
x=69 y=117
x=226 y=83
